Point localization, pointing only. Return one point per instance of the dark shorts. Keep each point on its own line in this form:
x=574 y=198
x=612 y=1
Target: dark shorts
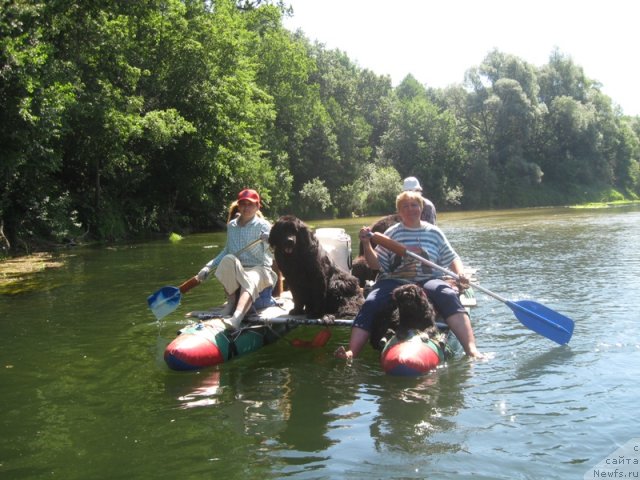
x=379 y=297
x=445 y=299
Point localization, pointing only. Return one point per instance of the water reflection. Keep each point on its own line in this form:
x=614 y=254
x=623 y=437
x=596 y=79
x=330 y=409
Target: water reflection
x=205 y=394
x=543 y=363
x=86 y=393
x=411 y=411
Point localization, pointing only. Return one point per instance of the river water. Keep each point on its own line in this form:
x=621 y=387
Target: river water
x=86 y=394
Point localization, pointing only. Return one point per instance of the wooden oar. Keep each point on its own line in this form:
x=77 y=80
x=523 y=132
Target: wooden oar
x=532 y=315
x=167 y=299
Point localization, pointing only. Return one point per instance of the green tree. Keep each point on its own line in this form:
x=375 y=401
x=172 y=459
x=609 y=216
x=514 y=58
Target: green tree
x=315 y=199
x=373 y=192
x=284 y=68
x=422 y=141
x=341 y=145
x=561 y=77
x=374 y=100
x=504 y=115
x=35 y=96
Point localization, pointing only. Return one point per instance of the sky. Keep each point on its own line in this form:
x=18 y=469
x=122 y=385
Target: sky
x=437 y=41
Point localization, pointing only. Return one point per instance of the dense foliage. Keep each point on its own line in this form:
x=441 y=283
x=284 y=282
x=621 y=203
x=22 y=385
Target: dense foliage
x=125 y=118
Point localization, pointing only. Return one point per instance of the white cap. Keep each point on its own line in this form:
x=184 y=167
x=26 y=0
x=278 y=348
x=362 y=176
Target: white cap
x=411 y=184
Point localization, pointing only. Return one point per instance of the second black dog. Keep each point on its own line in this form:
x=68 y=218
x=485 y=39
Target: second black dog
x=410 y=309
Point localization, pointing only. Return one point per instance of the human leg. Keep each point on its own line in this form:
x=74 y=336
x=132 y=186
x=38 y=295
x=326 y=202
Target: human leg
x=460 y=325
x=230 y=305
x=378 y=298
x=242 y=307
x=447 y=302
x=246 y=283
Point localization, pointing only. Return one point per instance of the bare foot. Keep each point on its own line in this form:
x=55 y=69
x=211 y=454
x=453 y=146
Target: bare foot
x=482 y=356
x=341 y=352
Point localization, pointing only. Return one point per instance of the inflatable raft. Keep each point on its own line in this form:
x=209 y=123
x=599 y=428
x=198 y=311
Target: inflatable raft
x=207 y=343
x=417 y=354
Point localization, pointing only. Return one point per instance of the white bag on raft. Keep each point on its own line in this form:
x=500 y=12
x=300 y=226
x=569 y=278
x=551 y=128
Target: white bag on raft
x=337 y=243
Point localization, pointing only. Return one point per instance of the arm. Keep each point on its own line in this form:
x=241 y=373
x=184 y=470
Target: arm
x=429 y=211
x=369 y=253
x=204 y=272
x=216 y=261
x=458 y=268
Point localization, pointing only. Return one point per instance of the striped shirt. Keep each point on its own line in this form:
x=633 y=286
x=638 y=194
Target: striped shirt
x=240 y=236
x=427 y=241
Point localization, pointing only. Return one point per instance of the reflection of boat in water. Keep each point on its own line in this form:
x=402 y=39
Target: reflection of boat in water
x=205 y=394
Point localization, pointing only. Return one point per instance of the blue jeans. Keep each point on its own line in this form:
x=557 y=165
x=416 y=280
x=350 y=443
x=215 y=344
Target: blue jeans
x=445 y=300
x=379 y=297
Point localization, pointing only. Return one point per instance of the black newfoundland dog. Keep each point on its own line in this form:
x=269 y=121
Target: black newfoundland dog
x=410 y=309
x=318 y=286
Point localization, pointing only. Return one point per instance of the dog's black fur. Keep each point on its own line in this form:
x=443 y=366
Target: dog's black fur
x=359 y=267
x=410 y=309
x=318 y=286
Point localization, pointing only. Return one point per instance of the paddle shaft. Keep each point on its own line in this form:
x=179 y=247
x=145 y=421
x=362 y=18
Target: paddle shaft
x=189 y=284
x=533 y=315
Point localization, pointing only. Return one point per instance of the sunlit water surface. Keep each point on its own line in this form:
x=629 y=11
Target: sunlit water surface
x=86 y=394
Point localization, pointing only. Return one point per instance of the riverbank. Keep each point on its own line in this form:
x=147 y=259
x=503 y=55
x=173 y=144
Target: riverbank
x=617 y=203
x=15 y=270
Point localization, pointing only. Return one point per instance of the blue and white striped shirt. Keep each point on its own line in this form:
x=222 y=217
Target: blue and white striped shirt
x=240 y=236
x=428 y=241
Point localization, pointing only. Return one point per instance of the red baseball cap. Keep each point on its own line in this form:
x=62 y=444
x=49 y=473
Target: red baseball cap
x=251 y=195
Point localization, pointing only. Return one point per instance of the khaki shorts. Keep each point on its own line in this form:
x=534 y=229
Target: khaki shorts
x=233 y=275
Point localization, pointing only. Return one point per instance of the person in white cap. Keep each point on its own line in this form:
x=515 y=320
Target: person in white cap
x=411 y=184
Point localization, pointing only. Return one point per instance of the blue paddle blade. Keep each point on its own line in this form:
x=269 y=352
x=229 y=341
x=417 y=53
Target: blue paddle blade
x=543 y=320
x=164 y=301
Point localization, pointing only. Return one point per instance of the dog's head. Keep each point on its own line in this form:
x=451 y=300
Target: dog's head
x=290 y=234
x=414 y=309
